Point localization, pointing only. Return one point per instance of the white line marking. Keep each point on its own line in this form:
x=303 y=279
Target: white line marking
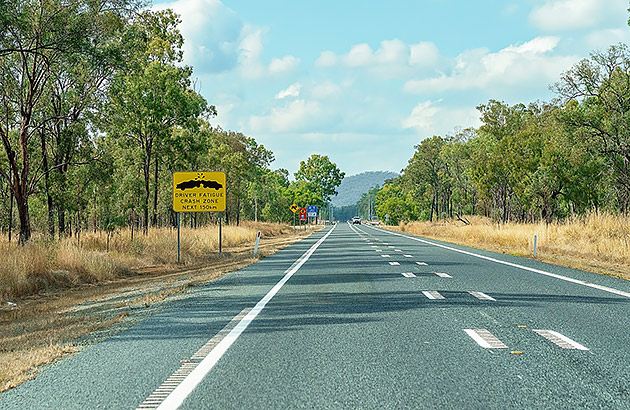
x=386 y=256
x=560 y=340
x=443 y=275
x=421 y=263
x=433 y=295
x=378 y=250
x=485 y=339
x=482 y=296
x=408 y=256
x=408 y=275
x=515 y=265
x=374 y=246
x=397 y=250
x=394 y=263
x=177 y=397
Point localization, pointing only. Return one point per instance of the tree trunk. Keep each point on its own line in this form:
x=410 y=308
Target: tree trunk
x=155 y=194
x=10 y=213
x=49 y=201
x=147 y=193
x=61 y=220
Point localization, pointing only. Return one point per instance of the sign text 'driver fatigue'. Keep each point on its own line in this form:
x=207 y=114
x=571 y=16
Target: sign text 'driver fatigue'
x=199 y=192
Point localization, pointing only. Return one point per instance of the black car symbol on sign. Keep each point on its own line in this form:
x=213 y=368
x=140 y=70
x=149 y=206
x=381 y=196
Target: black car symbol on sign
x=198 y=183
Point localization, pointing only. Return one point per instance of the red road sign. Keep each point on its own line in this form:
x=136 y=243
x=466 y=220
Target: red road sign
x=302 y=214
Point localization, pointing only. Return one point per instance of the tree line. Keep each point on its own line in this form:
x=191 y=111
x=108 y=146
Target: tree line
x=97 y=111
x=528 y=162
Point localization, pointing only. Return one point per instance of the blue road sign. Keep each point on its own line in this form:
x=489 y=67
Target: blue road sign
x=311 y=211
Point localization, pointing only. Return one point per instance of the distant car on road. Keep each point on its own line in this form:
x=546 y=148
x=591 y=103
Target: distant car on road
x=356 y=220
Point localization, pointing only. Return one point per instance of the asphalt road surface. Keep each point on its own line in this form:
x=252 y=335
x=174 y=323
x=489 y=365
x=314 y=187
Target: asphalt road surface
x=358 y=317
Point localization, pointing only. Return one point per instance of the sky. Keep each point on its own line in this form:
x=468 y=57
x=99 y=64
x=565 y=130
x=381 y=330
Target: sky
x=363 y=82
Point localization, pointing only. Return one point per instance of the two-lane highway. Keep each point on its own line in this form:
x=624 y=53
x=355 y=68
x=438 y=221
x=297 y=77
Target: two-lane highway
x=360 y=317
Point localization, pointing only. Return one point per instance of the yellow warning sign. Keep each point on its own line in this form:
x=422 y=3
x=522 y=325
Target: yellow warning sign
x=293 y=208
x=199 y=191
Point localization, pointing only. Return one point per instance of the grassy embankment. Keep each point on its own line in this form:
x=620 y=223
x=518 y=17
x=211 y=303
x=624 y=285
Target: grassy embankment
x=66 y=294
x=596 y=242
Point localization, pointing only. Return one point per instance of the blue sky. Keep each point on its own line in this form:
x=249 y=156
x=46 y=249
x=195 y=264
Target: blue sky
x=365 y=81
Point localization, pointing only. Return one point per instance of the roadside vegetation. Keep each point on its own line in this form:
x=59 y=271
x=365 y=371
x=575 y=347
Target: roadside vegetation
x=97 y=111
x=44 y=265
x=595 y=242
x=528 y=162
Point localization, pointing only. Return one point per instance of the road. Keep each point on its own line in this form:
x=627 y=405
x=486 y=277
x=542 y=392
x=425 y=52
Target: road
x=359 y=317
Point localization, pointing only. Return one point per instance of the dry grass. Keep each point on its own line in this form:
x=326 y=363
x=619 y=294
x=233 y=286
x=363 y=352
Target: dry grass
x=596 y=242
x=89 y=290
x=44 y=265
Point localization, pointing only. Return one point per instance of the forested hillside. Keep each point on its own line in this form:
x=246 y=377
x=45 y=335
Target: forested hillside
x=529 y=161
x=351 y=188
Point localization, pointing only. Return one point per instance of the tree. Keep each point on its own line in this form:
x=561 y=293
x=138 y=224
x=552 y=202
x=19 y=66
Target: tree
x=596 y=93
x=38 y=37
x=153 y=96
x=322 y=175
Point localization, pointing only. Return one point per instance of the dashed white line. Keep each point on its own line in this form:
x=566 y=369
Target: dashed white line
x=560 y=340
x=409 y=275
x=485 y=339
x=433 y=295
x=421 y=263
x=443 y=275
x=394 y=263
x=482 y=296
x=408 y=256
x=386 y=256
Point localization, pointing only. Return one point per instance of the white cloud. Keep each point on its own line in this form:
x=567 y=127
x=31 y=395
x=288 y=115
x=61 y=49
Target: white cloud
x=516 y=66
x=424 y=54
x=294 y=116
x=393 y=57
x=216 y=40
x=561 y=15
x=602 y=39
x=429 y=119
x=326 y=59
x=283 y=65
x=325 y=90
x=212 y=33
x=421 y=117
x=292 y=91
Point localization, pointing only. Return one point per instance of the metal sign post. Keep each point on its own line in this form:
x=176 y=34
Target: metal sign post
x=178 y=237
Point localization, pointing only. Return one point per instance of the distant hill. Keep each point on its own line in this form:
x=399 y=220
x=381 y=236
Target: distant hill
x=351 y=188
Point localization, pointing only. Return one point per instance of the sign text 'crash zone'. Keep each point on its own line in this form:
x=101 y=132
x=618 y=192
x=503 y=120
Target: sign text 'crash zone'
x=199 y=192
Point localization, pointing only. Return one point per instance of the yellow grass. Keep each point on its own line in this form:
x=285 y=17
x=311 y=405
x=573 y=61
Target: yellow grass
x=52 y=264
x=598 y=242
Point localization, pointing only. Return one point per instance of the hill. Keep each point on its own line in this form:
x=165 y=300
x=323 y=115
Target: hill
x=353 y=186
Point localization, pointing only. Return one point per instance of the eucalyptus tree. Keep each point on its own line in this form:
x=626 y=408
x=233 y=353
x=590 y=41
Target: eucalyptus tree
x=153 y=95
x=36 y=39
x=323 y=176
x=596 y=92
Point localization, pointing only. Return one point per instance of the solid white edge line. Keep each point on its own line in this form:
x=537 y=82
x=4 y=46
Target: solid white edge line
x=177 y=396
x=514 y=265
